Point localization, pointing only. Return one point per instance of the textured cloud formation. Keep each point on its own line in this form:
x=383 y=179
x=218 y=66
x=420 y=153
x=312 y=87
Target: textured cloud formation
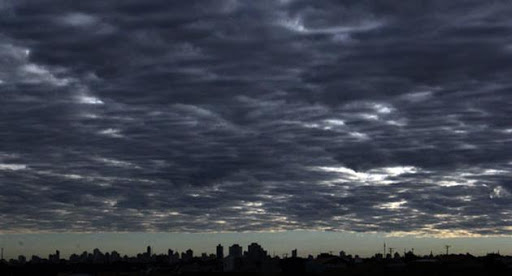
x=235 y=115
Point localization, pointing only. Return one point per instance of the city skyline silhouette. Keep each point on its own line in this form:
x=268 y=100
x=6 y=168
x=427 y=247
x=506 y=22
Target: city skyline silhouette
x=253 y=258
x=309 y=242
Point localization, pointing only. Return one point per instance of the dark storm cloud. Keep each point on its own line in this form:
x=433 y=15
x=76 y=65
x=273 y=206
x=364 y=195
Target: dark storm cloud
x=256 y=115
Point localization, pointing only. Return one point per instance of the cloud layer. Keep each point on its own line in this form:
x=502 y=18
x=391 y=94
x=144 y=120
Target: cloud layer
x=236 y=115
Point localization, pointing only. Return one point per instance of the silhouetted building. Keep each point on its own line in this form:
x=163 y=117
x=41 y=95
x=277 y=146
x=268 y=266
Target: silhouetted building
x=176 y=257
x=148 y=251
x=255 y=252
x=187 y=255
x=220 y=252
x=235 y=251
x=294 y=253
x=357 y=259
x=35 y=259
x=115 y=256
x=97 y=256
x=327 y=263
x=54 y=258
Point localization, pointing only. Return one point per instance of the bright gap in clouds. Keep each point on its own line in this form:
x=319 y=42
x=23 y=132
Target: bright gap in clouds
x=377 y=176
x=90 y=100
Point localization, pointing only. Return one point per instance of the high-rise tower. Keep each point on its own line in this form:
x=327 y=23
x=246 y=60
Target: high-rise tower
x=220 y=252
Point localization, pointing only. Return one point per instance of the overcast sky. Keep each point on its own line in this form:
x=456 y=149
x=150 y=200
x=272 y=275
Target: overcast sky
x=238 y=115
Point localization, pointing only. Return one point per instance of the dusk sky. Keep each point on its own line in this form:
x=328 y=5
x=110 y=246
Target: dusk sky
x=352 y=122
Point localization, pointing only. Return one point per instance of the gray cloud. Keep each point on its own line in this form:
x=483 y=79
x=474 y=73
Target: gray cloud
x=256 y=115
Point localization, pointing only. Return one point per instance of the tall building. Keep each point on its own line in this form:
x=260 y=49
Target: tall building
x=176 y=257
x=187 y=255
x=220 y=252
x=256 y=252
x=235 y=250
x=115 y=256
x=54 y=258
x=294 y=253
x=148 y=251
x=190 y=253
x=97 y=256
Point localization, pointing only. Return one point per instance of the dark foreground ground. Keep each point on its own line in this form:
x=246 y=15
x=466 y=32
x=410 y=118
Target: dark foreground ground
x=298 y=267
x=99 y=264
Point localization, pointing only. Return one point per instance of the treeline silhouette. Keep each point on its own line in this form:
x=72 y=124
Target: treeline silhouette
x=256 y=261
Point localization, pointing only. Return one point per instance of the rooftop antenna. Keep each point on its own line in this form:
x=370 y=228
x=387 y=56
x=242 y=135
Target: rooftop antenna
x=447 y=248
